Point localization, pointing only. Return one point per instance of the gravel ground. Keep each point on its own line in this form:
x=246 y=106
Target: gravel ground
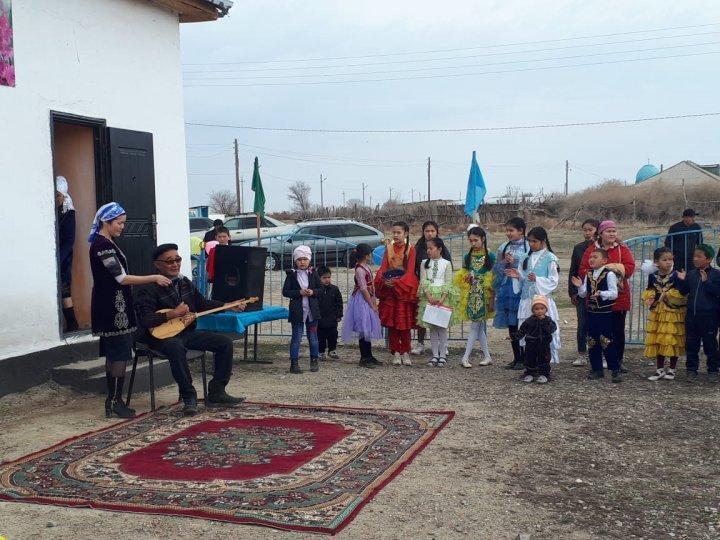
x=571 y=459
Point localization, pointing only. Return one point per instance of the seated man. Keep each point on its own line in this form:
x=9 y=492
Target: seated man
x=183 y=299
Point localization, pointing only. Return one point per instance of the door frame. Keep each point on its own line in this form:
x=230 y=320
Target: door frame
x=102 y=185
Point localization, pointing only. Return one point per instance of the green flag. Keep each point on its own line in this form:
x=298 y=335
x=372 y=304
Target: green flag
x=259 y=204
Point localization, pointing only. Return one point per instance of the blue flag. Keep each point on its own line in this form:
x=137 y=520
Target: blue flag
x=476 y=189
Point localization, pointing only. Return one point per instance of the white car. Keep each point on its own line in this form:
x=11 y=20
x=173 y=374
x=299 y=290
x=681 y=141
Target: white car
x=244 y=227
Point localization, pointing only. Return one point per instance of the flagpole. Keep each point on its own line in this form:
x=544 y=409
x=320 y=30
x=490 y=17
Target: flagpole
x=257 y=219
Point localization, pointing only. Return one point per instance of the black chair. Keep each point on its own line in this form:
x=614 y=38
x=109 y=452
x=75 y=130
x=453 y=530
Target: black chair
x=142 y=349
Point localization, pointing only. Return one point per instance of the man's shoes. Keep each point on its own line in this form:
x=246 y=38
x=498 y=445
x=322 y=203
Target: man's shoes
x=295 y=367
x=218 y=396
x=418 y=349
x=713 y=376
x=624 y=370
x=659 y=374
x=333 y=354
x=691 y=376
x=580 y=361
x=190 y=407
x=367 y=363
x=616 y=378
x=322 y=356
x=595 y=375
x=375 y=361
x=314 y=365
x=511 y=365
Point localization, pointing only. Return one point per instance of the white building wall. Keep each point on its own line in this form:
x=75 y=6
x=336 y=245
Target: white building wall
x=112 y=59
x=677 y=173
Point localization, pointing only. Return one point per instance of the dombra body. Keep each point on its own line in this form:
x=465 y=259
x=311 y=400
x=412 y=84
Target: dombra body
x=175 y=326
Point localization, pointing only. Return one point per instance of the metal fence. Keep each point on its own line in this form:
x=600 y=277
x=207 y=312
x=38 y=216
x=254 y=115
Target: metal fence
x=642 y=248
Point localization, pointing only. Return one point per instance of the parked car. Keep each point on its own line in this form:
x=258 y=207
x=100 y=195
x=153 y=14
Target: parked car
x=244 y=227
x=333 y=242
x=200 y=225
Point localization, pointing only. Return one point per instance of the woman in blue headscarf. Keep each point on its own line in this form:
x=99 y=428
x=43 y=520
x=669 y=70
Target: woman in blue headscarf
x=112 y=312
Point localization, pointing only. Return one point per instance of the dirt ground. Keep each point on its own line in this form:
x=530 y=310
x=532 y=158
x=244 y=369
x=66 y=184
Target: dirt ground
x=571 y=459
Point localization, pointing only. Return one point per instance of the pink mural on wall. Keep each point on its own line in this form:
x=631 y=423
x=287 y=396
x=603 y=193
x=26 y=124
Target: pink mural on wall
x=7 y=58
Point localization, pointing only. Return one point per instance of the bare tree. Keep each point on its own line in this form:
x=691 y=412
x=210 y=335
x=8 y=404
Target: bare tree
x=299 y=195
x=354 y=202
x=223 y=202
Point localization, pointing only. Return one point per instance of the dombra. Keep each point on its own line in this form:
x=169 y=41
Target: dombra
x=174 y=326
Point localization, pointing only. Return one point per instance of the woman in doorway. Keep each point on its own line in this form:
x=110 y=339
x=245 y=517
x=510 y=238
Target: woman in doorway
x=112 y=312
x=66 y=241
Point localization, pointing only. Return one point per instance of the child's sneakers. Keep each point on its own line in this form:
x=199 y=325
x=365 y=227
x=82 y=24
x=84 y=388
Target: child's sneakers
x=669 y=375
x=333 y=354
x=397 y=360
x=581 y=360
x=418 y=349
x=528 y=379
x=465 y=363
x=406 y=360
x=542 y=379
x=659 y=374
x=485 y=361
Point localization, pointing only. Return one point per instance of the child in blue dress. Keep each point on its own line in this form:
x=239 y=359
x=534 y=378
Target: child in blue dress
x=506 y=299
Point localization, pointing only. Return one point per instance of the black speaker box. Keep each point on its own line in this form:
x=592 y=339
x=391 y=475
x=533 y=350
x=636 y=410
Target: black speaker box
x=239 y=273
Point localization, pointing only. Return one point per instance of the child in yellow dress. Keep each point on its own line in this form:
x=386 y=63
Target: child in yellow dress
x=665 y=328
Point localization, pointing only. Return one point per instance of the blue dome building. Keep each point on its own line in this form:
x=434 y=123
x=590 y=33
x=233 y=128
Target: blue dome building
x=645 y=172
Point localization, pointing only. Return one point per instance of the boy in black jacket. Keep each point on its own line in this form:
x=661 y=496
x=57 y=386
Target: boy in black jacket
x=302 y=287
x=702 y=285
x=331 y=311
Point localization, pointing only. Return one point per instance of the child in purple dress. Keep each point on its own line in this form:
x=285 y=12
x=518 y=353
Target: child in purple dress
x=361 y=316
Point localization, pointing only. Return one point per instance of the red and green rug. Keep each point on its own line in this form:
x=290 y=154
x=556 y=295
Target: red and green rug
x=299 y=468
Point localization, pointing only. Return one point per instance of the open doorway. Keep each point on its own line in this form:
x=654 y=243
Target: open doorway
x=79 y=184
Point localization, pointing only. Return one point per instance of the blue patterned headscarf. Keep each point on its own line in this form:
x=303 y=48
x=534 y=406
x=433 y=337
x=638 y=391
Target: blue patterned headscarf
x=107 y=212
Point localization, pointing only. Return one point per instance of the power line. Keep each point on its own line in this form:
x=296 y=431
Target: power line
x=462 y=66
x=420 y=60
x=456 y=130
x=381 y=55
x=455 y=75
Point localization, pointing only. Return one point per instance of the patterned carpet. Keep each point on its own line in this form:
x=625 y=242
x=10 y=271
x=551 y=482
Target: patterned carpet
x=301 y=468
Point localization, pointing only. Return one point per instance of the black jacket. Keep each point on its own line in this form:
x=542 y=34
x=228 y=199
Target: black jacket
x=683 y=241
x=331 y=306
x=153 y=297
x=291 y=290
x=703 y=297
x=576 y=259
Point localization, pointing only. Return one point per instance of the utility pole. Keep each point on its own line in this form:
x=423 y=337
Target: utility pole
x=363 y=190
x=370 y=202
x=390 y=199
x=428 y=179
x=412 y=195
x=238 y=191
x=343 y=198
x=322 y=201
x=567 y=175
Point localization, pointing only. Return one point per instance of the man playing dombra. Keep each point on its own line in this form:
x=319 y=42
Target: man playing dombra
x=184 y=300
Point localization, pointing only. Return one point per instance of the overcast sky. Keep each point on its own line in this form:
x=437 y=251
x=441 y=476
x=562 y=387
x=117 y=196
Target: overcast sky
x=246 y=69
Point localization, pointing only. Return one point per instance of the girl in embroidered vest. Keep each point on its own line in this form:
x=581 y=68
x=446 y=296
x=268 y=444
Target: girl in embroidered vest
x=538 y=274
x=112 y=312
x=396 y=286
x=665 y=326
x=430 y=230
x=506 y=299
x=599 y=289
x=436 y=288
x=361 y=316
x=477 y=296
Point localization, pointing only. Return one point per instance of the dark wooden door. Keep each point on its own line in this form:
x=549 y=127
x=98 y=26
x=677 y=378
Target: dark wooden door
x=132 y=180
